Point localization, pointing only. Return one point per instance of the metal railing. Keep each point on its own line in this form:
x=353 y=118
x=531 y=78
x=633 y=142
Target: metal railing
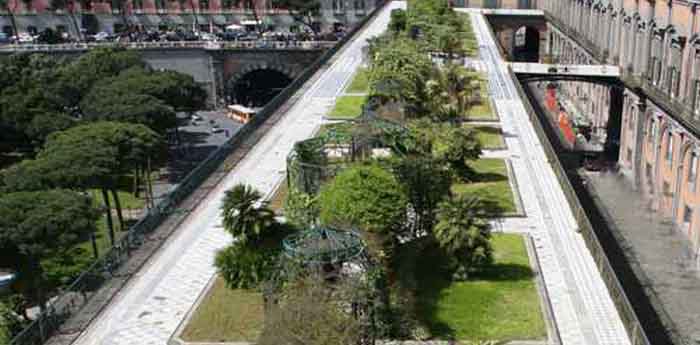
x=218 y=45
x=70 y=312
x=617 y=293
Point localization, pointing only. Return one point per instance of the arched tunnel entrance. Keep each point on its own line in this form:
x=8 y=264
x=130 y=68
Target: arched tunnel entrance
x=526 y=44
x=258 y=87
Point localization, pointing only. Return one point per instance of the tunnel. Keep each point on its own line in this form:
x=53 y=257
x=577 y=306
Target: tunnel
x=258 y=87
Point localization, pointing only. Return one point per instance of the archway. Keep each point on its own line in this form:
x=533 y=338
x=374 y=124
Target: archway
x=257 y=87
x=526 y=44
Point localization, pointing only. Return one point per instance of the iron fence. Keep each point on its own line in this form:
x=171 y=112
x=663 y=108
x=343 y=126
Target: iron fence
x=70 y=312
x=625 y=309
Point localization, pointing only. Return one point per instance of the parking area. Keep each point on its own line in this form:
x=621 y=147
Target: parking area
x=199 y=135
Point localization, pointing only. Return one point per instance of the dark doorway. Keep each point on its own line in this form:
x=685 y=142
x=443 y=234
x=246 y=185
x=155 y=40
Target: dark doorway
x=526 y=44
x=257 y=88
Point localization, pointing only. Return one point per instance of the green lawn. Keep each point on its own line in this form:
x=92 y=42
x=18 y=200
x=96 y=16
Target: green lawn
x=490 y=184
x=501 y=303
x=490 y=137
x=360 y=82
x=347 y=107
x=226 y=315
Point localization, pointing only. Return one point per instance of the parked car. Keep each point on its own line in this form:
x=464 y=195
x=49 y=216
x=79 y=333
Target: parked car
x=24 y=37
x=103 y=37
x=230 y=35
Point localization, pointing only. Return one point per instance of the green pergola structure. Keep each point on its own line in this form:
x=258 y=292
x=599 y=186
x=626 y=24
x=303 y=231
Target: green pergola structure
x=323 y=245
x=309 y=164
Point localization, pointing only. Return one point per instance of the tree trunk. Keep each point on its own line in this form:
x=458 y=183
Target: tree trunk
x=118 y=206
x=149 y=182
x=251 y=4
x=110 y=225
x=14 y=23
x=75 y=24
x=135 y=190
x=93 y=241
x=194 y=16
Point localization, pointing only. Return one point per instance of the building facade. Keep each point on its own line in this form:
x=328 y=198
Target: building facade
x=657 y=45
x=33 y=16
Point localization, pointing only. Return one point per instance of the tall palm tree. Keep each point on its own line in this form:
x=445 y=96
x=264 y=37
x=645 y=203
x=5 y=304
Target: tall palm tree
x=464 y=233
x=245 y=215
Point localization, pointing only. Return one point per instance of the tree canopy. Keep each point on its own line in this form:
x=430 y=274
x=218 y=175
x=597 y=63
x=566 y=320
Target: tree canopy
x=37 y=224
x=366 y=196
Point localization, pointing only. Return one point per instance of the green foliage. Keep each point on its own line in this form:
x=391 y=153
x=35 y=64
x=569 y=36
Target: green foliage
x=301 y=209
x=398 y=21
x=366 y=196
x=130 y=108
x=243 y=266
x=41 y=225
x=464 y=233
x=245 y=215
x=398 y=72
x=311 y=313
x=426 y=182
x=303 y=11
x=251 y=259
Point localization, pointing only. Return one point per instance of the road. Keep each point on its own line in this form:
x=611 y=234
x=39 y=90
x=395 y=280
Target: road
x=583 y=309
x=150 y=307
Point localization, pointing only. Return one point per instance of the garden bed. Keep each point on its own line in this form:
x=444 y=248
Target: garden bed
x=500 y=304
x=490 y=184
x=347 y=107
x=360 y=82
x=226 y=315
x=490 y=137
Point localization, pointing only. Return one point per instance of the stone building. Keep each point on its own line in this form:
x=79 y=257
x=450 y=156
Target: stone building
x=657 y=45
x=35 y=15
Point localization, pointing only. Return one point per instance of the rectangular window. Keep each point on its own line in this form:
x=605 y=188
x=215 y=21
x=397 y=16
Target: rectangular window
x=629 y=155
x=666 y=188
x=650 y=182
x=669 y=149
x=692 y=171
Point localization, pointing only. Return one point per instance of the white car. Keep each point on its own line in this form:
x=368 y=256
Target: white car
x=24 y=37
x=102 y=36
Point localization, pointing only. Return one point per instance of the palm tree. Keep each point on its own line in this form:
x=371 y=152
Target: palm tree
x=245 y=215
x=464 y=234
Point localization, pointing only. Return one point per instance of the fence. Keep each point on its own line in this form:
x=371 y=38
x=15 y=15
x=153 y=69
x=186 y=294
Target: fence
x=71 y=312
x=260 y=44
x=622 y=303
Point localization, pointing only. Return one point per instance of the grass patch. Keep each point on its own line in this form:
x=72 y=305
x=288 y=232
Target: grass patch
x=226 y=315
x=277 y=200
x=360 y=81
x=489 y=137
x=481 y=111
x=490 y=183
x=501 y=303
x=347 y=107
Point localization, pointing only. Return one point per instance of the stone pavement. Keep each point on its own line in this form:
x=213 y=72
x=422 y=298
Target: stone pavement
x=149 y=309
x=583 y=310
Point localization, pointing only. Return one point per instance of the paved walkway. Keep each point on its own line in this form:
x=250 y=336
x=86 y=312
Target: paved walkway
x=149 y=309
x=583 y=310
